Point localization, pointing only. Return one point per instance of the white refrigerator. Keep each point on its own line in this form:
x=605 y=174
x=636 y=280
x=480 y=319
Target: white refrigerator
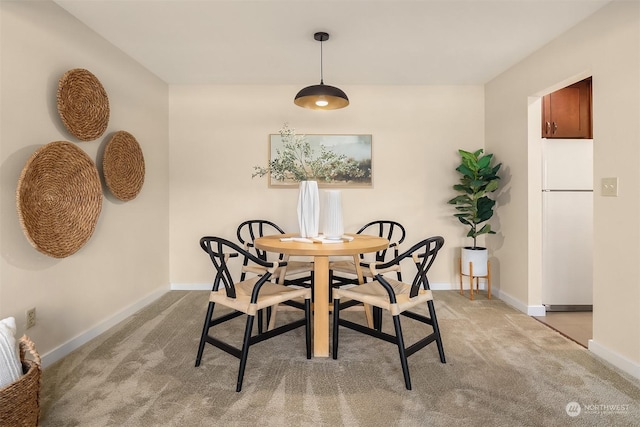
x=567 y=224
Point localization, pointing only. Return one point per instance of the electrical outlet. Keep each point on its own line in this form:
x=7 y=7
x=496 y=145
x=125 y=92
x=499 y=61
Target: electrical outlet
x=31 y=318
x=610 y=187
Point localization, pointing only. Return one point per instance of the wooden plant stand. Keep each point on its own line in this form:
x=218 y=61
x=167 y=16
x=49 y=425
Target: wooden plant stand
x=471 y=277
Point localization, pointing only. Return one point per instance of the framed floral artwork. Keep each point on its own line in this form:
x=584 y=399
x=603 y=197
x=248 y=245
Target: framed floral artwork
x=331 y=160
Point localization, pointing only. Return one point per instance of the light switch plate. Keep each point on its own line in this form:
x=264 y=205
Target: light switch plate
x=610 y=187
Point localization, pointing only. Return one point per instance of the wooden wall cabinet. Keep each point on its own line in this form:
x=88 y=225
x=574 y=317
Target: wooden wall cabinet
x=566 y=113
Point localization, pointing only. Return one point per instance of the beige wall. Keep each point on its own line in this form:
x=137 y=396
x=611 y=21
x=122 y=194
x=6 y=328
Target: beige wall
x=125 y=263
x=218 y=133
x=606 y=46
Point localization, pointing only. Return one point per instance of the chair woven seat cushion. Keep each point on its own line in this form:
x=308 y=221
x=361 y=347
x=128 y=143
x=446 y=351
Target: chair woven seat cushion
x=254 y=268
x=293 y=267
x=347 y=266
x=270 y=295
x=373 y=293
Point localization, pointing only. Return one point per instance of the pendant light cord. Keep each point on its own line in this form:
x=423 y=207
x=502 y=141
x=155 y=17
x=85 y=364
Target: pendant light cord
x=321 y=71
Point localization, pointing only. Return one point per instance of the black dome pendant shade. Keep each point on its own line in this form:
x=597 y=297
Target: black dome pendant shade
x=321 y=97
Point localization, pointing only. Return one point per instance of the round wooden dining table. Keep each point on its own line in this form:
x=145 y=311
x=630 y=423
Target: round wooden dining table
x=361 y=243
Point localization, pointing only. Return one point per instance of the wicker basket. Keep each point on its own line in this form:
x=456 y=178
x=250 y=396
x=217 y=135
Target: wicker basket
x=20 y=400
x=83 y=104
x=123 y=166
x=59 y=199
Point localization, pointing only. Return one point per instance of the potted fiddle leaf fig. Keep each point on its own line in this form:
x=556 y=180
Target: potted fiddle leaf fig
x=474 y=206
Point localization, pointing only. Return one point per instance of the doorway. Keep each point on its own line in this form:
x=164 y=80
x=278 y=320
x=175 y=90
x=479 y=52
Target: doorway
x=575 y=325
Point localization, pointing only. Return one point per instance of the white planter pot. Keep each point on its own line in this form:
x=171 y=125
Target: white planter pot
x=308 y=209
x=478 y=257
x=332 y=224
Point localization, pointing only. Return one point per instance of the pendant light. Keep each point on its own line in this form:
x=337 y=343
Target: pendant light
x=321 y=97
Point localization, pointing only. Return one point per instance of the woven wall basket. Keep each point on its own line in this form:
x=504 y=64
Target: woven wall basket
x=83 y=104
x=59 y=199
x=123 y=166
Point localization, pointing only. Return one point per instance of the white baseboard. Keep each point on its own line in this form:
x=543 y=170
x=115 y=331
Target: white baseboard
x=66 y=348
x=629 y=366
x=530 y=310
x=537 y=310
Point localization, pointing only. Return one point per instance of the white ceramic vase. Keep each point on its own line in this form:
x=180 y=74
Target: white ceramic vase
x=308 y=209
x=333 y=227
x=478 y=257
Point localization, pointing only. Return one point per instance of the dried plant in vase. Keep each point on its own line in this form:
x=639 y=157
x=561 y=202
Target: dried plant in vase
x=296 y=161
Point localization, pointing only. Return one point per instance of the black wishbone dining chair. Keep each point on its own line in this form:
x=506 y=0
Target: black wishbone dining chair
x=295 y=273
x=393 y=231
x=343 y=272
x=398 y=298
x=246 y=297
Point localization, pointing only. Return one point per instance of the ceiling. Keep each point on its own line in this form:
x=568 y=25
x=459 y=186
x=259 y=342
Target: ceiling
x=419 y=42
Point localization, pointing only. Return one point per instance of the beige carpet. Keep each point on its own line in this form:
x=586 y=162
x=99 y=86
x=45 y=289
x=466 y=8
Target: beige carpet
x=503 y=369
